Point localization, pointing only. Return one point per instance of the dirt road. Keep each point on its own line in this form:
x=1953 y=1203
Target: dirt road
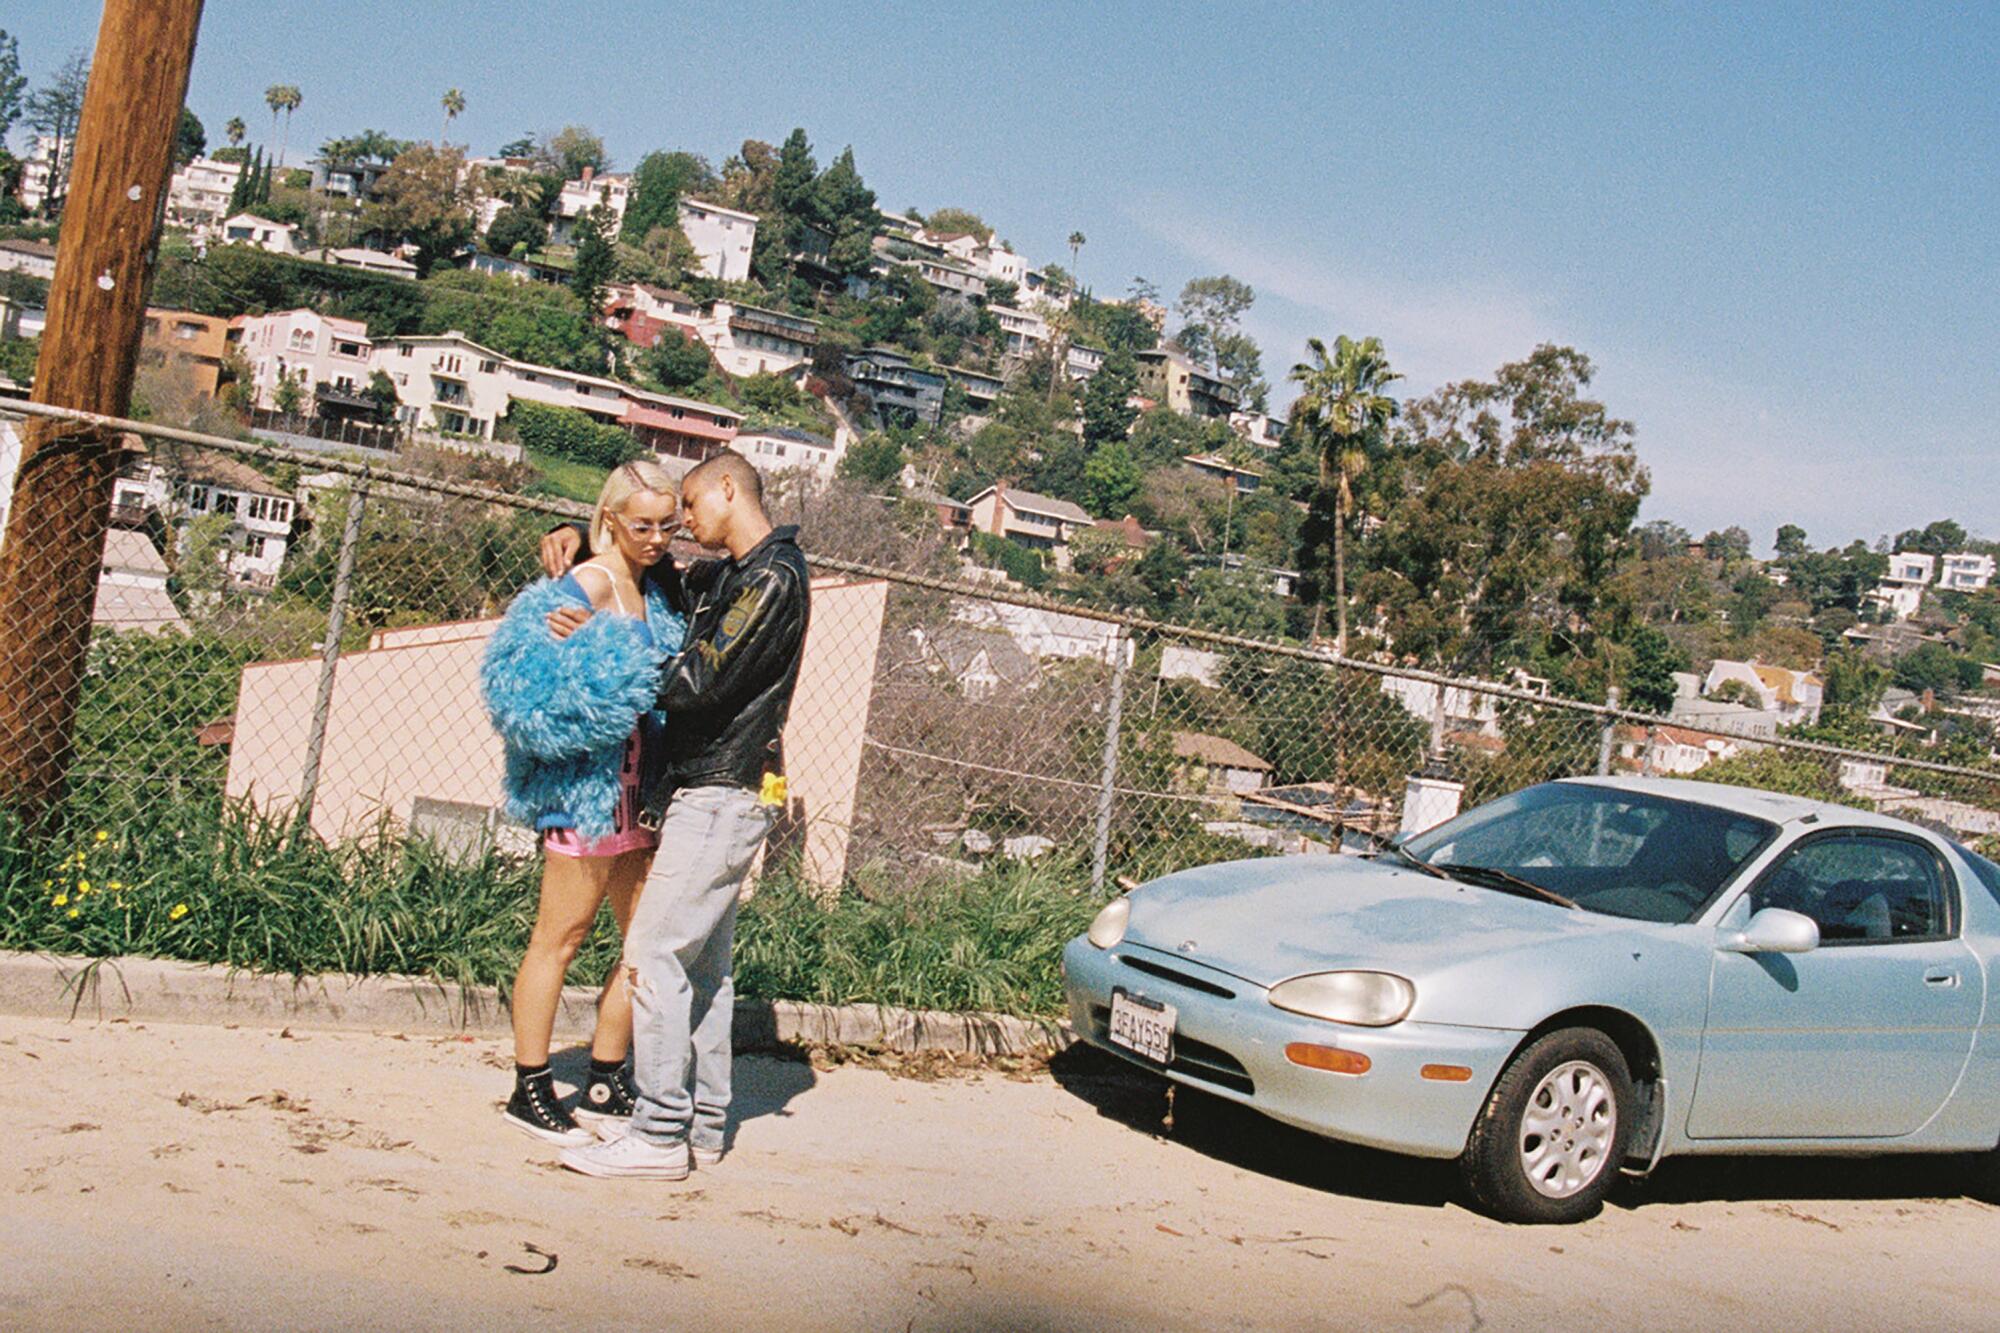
x=183 y=1177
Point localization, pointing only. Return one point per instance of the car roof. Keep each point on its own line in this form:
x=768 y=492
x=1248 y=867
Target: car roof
x=1775 y=806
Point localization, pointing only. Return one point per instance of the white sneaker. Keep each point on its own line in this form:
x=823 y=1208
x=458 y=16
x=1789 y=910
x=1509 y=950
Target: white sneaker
x=629 y=1155
x=706 y=1156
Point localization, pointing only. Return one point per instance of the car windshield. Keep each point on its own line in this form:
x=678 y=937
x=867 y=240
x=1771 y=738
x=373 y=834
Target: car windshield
x=1987 y=872
x=1622 y=853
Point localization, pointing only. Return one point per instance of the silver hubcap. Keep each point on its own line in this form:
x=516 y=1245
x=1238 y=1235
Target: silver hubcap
x=1567 y=1130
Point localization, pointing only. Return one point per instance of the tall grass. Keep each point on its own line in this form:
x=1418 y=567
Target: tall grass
x=210 y=883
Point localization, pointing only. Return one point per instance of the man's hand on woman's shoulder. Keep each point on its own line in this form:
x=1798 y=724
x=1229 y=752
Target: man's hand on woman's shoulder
x=559 y=550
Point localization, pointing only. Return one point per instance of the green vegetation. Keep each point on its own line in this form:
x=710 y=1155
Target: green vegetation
x=562 y=477
x=564 y=432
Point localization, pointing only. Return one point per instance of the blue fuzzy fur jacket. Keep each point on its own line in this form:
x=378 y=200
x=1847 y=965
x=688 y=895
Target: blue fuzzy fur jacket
x=564 y=708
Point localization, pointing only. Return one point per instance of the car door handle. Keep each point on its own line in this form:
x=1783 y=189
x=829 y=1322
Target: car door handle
x=1941 y=977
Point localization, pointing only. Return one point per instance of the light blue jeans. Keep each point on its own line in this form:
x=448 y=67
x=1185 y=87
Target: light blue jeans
x=677 y=963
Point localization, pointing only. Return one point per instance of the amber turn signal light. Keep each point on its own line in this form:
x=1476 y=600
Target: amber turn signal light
x=1330 y=1058
x=1446 y=1073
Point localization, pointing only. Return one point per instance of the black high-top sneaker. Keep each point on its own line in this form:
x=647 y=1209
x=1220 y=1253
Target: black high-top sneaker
x=606 y=1103
x=535 y=1109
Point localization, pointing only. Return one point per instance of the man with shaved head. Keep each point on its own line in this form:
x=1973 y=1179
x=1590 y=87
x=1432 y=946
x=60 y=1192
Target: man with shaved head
x=713 y=784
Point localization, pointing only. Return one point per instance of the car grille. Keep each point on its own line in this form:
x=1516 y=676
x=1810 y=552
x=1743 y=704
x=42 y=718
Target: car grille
x=1193 y=1059
x=1179 y=978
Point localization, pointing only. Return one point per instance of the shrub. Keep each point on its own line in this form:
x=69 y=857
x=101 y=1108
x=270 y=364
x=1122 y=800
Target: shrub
x=567 y=433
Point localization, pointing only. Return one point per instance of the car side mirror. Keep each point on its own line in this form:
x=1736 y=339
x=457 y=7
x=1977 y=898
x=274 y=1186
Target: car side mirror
x=1773 y=930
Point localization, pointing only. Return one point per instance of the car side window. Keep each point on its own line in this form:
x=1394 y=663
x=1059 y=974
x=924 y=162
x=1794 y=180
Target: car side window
x=1861 y=888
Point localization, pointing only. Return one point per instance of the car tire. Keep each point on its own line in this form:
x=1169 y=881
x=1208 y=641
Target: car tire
x=1547 y=1145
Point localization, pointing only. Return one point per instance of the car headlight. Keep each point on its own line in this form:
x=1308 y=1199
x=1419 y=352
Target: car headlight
x=1109 y=927
x=1366 y=999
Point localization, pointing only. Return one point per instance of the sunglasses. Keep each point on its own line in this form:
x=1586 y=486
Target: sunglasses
x=647 y=531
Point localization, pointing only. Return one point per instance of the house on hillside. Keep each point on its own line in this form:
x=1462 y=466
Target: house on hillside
x=1259 y=428
x=1033 y=520
x=901 y=391
x=1792 y=696
x=321 y=354
x=1043 y=633
x=37 y=259
x=982 y=662
x=749 y=340
x=278 y=238
x=200 y=191
x=1246 y=480
x=1216 y=765
x=590 y=191
x=1964 y=572
x=1169 y=376
x=722 y=237
x=184 y=484
x=776 y=449
x=1902 y=588
x=641 y=312
x=132 y=587
x=193 y=344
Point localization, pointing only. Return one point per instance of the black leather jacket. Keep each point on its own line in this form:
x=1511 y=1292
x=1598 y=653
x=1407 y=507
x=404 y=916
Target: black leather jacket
x=724 y=700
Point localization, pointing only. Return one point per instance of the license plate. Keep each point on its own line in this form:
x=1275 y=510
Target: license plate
x=1144 y=1027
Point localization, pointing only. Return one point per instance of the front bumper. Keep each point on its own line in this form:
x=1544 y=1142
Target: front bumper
x=1231 y=1041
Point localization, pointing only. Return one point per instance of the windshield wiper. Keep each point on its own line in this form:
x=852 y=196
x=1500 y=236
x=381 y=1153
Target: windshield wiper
x=1413 y=859
x=1505 y=879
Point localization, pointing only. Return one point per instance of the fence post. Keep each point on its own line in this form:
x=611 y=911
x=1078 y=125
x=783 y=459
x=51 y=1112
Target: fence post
x=329 y=660
x=1114 y=714
x=1604 y=740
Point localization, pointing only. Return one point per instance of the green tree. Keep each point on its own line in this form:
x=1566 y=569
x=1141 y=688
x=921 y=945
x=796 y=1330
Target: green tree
x=234 y=130
x=876 y=460
x=453 y=103
x=1113 y=480
x=428 y=199
x=677 y=362
x=54 y=110
x=948 y=221
x=12 y=84
x=1649 y=683
x=659 y=183
x=845 y=207
x=1211 y=309
x=189 y=138
x=382 y=390
x=1940 y=538
x=1936 y=668
x=595 y=259
x=515 y=231
x=1108 y=413
x=570 y=149
x=1791 y=541
x=287 y=98
x=288 y=397
x=1342 y=406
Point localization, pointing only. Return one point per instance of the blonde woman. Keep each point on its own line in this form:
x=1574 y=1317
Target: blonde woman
x=569 y=712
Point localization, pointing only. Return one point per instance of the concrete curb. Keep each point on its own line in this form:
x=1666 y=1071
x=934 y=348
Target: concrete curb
x=163 y=991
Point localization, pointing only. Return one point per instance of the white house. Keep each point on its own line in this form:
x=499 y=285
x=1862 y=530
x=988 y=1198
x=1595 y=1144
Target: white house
x=749 y=340
x=1040 y=633
x=132 y=587
x=373 y=261
x=1678 y=751
x=590 y=191
x=279 y=238
x=982 y=662
x=1026 y=331
x=304 y=346
x=1259 y=428
x=18 y=320
x=722 y=237
x=1033 y=520
x=39 y=168
x=1793 y=696
x=1902 y=588
x=201 y=190
x=188 y=484
x=37 y=259
x=1964 y=572
x=776 y=449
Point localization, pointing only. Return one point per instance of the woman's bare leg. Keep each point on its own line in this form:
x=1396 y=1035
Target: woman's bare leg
x=613 y=1036
x=572 y=888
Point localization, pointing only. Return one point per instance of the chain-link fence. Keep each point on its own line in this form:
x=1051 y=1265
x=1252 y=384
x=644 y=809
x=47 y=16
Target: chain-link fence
x=290 y=640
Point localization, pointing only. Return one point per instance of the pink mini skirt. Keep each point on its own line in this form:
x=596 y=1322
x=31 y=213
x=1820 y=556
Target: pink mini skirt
x=627 y=835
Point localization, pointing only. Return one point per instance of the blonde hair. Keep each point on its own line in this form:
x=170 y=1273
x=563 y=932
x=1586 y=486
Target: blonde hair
x=627 y=480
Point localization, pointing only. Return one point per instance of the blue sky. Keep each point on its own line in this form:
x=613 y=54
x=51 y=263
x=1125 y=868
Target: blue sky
x=1773 y=227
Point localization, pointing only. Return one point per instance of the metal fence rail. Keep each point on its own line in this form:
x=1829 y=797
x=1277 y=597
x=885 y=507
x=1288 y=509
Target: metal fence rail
x=292 y=635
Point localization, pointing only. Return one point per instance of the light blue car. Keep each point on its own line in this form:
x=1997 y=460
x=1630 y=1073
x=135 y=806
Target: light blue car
x=1580 y=978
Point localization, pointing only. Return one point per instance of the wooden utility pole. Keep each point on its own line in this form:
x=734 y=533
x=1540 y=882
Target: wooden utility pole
x=62 y=493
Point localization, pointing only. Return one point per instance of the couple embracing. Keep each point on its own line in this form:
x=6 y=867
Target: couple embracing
x=641 y=706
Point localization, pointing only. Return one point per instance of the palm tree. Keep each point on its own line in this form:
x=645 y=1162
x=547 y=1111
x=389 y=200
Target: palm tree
x=1076 y=243
x=235 y=130
x=1342 y=404
x=454 y=106
x=286 y=98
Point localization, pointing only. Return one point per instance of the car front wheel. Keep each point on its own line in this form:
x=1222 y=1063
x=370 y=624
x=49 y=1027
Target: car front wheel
x=1547 y=1144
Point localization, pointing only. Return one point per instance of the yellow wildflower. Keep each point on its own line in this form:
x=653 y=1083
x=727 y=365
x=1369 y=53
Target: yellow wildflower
x=180 y=910
x=71 y=913
x=116 y=886
x=102 y=836
x=82 y=887
x=60 y=900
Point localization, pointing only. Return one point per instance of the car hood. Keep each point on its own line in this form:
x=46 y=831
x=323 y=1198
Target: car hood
x=1266 y=920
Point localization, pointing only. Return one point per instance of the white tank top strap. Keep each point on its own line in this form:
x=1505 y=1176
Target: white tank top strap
x=602 y=585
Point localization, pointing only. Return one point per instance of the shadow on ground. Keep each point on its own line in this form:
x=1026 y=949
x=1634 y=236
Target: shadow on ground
x=760 y=1084
x=1242 y=1138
